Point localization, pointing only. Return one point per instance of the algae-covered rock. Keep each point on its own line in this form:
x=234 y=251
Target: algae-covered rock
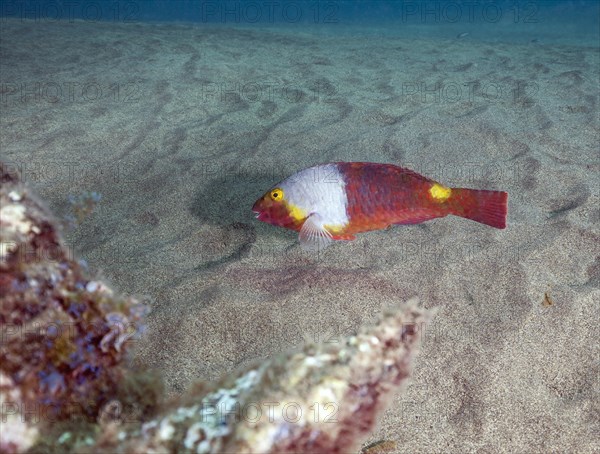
x=63 y=335
x=325 y=398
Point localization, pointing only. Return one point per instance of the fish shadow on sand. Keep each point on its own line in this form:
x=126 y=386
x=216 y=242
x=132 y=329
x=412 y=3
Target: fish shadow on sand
x=226 y=202
x=228 y=199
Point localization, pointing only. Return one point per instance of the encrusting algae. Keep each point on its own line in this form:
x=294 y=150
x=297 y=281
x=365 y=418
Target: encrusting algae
x=63 y=336
x=67 y=385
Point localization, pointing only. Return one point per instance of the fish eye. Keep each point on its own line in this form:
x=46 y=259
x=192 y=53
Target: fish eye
x=277 y=194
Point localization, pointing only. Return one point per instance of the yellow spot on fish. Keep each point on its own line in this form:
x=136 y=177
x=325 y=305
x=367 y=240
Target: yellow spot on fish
x=335 y=229
x=296 y=212
x=439 y=192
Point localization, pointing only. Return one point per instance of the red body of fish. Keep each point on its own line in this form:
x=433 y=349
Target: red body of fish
x=384 y=194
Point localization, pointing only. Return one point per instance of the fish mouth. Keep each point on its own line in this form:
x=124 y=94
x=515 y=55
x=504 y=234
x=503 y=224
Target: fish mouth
x=257 y=214
x=257 y=209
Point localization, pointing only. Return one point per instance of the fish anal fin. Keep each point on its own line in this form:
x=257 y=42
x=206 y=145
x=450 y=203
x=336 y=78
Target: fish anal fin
x=416 y=217
x=345 y=237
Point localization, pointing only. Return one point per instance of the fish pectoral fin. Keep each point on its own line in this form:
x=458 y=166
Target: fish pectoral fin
x=313 y=234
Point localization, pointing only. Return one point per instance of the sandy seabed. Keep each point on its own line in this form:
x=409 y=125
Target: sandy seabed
x=180 y=128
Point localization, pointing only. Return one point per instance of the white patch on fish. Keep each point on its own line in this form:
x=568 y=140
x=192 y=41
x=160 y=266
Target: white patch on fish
x=320 y=189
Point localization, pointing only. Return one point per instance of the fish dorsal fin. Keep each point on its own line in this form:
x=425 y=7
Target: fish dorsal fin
x=313 y=234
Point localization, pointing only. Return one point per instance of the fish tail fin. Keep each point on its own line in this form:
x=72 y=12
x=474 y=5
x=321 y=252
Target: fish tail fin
x=486 y=207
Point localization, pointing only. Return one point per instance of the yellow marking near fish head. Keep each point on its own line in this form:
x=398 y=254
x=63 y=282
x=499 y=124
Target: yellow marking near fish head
x=296 y=212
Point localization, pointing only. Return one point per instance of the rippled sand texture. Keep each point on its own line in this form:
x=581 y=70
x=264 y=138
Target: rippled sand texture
x=181 y=128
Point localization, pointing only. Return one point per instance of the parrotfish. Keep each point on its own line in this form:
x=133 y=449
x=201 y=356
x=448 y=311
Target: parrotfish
x=337 y=200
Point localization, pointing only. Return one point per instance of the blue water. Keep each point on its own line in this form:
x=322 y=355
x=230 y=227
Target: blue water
x=327 y=13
